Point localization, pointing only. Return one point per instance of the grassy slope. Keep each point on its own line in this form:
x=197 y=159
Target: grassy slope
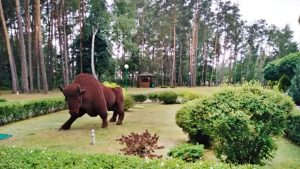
x=42 y=131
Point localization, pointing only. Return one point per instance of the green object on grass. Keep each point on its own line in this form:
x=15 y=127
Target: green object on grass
x=5 y=136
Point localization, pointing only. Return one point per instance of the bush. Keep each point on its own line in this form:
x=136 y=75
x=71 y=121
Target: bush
x=294 y=89
x=128 y=102
x=189 y=96
x=153 y=97
x=284 y=83
x=292 y=131
x=43 y=158
x=253 y=113
x=139 y=98
x=110 y=84
x=168 y=97
x=187 y=152
x=2 y=100
x=283 y=66
x=12 y=112
x=141 y=145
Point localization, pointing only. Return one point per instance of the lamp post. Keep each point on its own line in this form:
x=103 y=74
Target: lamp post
x=126 y=68
x=189 y=82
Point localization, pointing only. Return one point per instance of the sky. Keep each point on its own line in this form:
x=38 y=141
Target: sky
x=277 y=12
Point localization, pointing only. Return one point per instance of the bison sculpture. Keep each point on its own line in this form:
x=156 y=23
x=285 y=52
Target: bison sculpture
x=87 y=95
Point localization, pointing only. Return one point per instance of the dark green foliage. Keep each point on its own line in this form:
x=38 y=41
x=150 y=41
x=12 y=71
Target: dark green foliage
x=153 y=97
x=141 y=145
x=239 y=144
x=2 y=100
x=283 y=66
x=253 y=113
x=292 y=131
x=284 y=83
x=167 y=97
x=11 y=112
x=294 y=89
x=187 y=152
x=12 y=158
x=139 y=98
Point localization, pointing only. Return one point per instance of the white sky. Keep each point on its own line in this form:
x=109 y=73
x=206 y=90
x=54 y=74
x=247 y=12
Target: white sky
x=277 y=12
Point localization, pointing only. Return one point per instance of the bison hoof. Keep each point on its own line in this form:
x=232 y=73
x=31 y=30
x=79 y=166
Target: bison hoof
x=104 y=125
x=112 y=120
x=119 y=123
x=64 y=128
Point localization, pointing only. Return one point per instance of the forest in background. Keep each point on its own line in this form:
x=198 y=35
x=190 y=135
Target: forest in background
x=45 y=43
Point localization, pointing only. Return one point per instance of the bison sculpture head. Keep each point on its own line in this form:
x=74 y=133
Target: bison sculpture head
x=73 y=96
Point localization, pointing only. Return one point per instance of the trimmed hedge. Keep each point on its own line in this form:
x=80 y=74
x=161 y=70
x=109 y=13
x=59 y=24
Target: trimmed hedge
x=139 y=98
x=167 y=97
x=11 y=112
x=153 y=97
x=12 y=158
x=292 y=131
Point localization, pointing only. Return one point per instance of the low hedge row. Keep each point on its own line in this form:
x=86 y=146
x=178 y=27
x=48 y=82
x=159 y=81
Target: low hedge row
x=16 y=111
x=13 y=158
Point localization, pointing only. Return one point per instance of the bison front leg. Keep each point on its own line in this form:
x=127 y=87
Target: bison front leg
x=68 y=123
x=104 y=120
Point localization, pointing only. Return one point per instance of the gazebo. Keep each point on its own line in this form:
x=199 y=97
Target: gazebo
x=145 y=80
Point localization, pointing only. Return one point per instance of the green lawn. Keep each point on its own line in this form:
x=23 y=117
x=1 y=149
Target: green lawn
x=42 y=132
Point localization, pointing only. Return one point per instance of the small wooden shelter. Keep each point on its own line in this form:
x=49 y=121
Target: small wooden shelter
x=145 y=80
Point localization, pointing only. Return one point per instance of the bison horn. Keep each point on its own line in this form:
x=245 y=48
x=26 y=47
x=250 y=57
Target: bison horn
x=61 y=88
x=79 y=89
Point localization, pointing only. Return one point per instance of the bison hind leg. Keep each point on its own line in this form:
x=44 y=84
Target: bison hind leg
x=114 y=117
x=121 y=117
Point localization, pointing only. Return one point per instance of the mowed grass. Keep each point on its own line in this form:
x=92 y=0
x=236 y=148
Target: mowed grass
x=42 y=132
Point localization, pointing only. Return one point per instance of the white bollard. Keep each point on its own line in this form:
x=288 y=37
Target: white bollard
x=93 y=140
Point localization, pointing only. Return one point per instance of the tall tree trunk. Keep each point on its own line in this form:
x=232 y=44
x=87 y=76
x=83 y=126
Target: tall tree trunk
x=22 y=52
x=180 y=66
x=50 y=46
x=92 y=53
x=28 y=32
x=205 y=51
x=38 y=33
x=173 y=76
x=12 y=64
x=81 y=23
x=194 y=44
x=61 y=46
x=65 y=47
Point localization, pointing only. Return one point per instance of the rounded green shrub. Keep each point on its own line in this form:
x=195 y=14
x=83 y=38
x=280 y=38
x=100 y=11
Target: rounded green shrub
x=153 y=97
x=128 y=102
x=240 y=122
x=187 y=152
x=139 y=98
x=292 y=131
x=168 y=97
